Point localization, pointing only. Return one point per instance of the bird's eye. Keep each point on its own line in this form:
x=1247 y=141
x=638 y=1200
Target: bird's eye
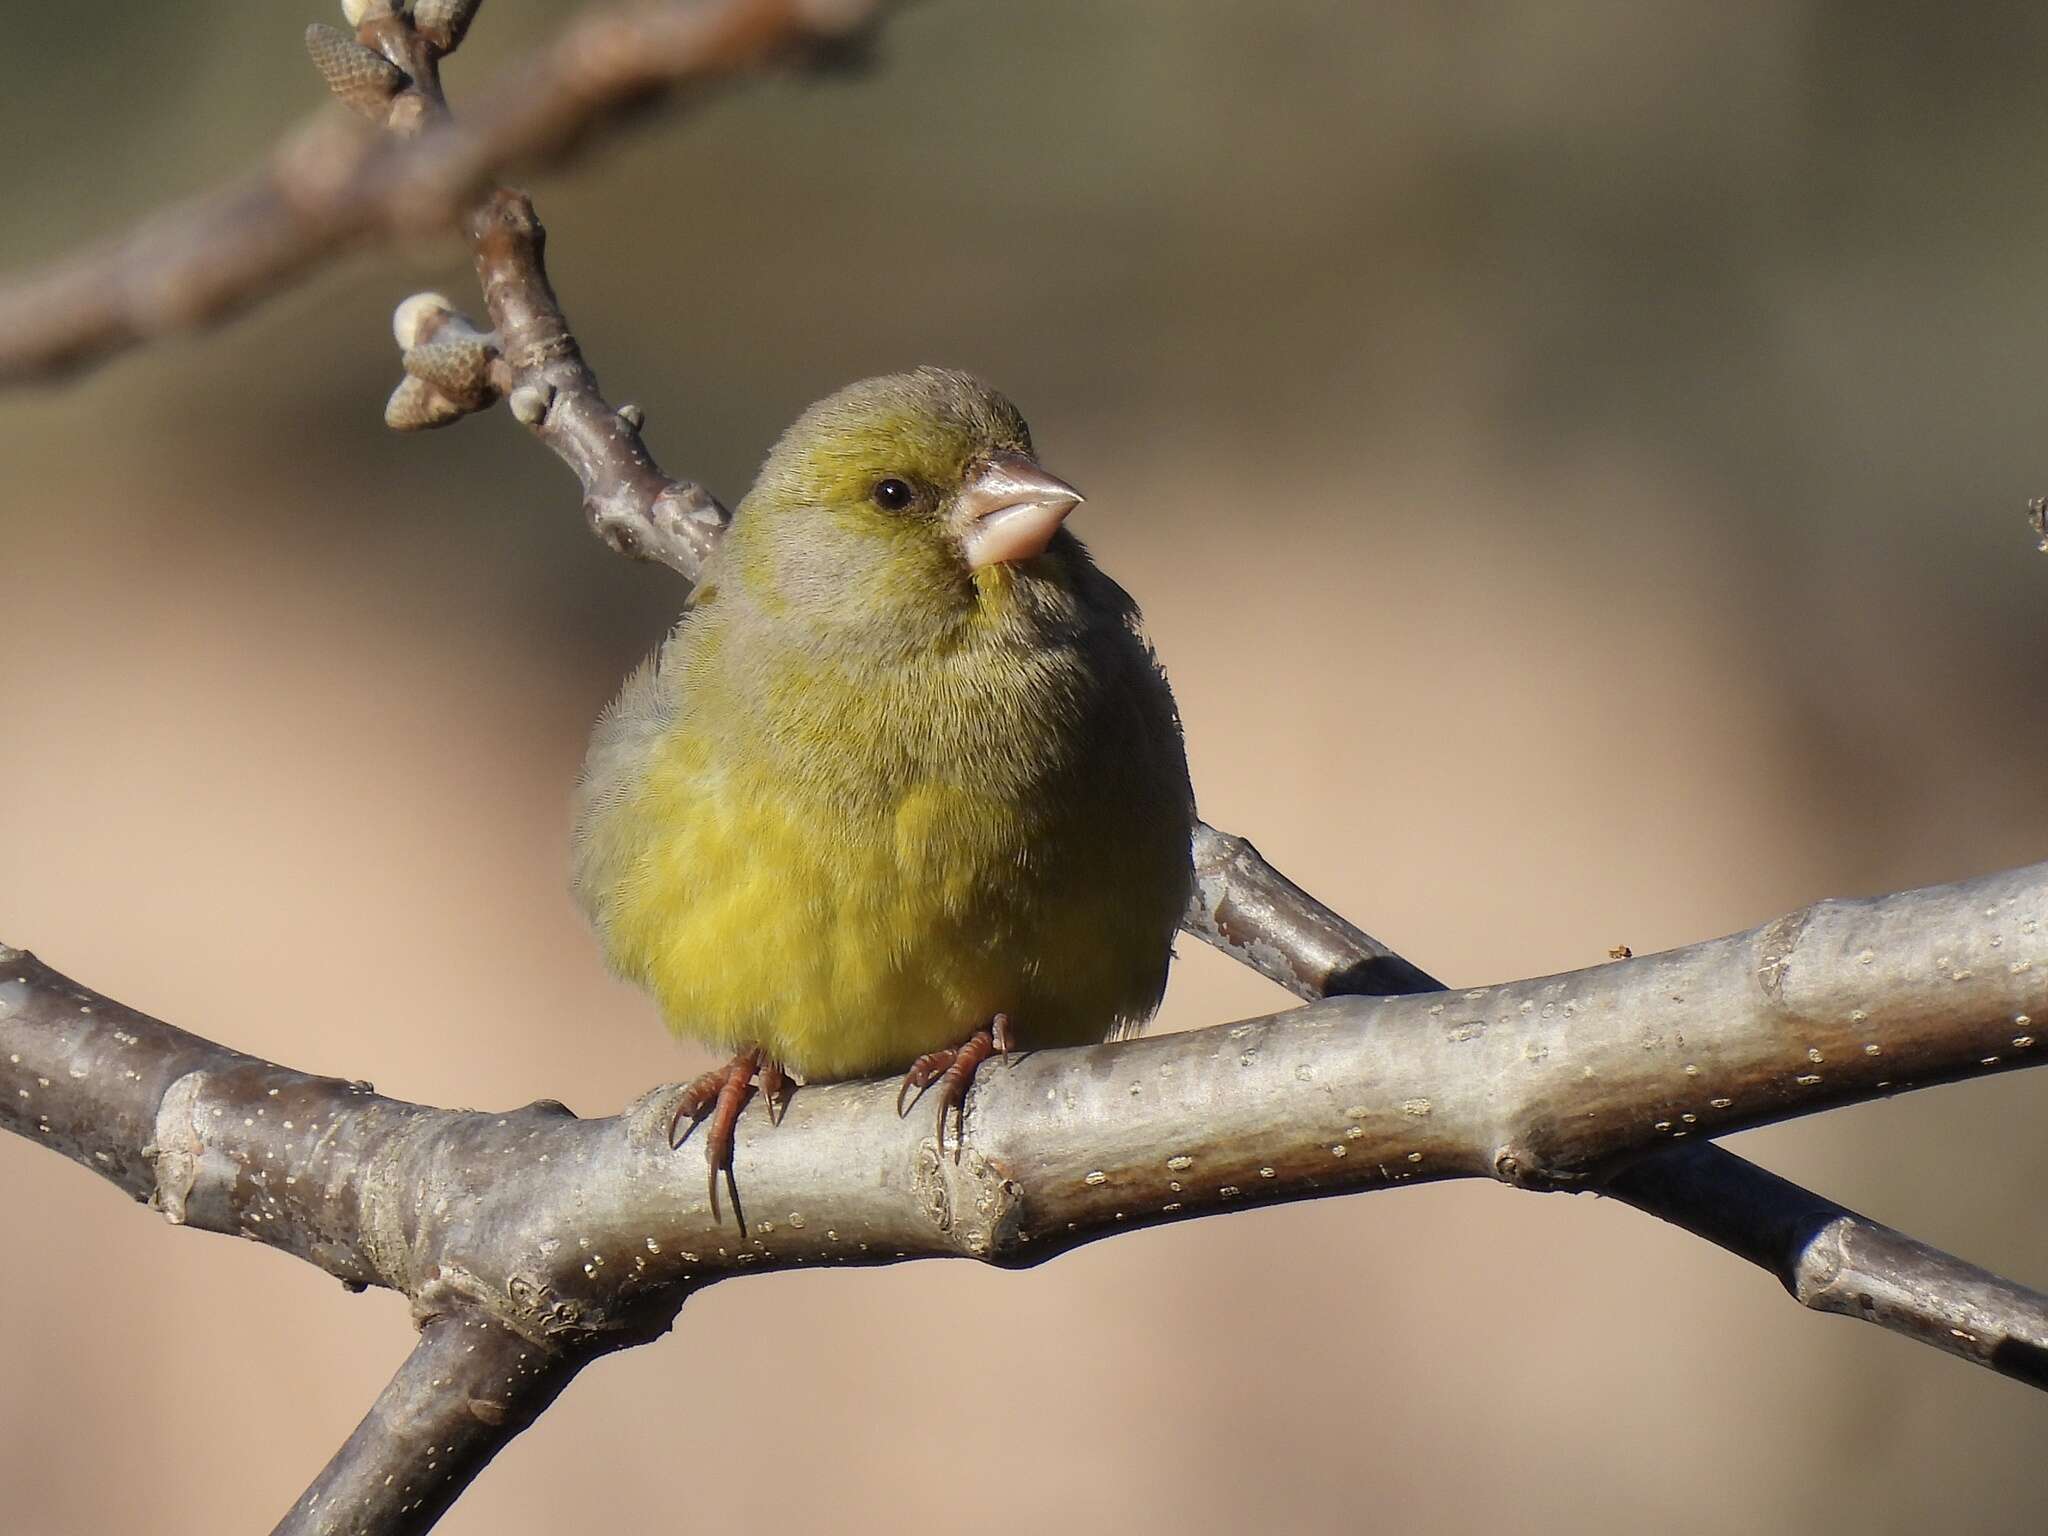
x=893 y=495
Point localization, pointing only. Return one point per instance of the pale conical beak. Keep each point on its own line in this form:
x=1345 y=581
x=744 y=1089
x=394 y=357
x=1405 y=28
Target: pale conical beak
x=1010 y=510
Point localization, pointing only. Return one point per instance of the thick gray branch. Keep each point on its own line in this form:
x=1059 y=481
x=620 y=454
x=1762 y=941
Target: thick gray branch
x=547 y=1240
x=1548 y=1083
x=1828 y=1257
x=466 y=1389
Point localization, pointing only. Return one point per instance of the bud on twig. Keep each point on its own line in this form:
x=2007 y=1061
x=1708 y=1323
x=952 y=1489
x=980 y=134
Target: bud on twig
x=361 y=78
x=416 y=405
x=447 y=365
x=457 y=362
x=418 y=317
x=443 y=22
x=530 y=402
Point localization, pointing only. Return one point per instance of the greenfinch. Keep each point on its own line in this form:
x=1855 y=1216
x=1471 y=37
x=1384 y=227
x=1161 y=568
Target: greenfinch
x=905 y=787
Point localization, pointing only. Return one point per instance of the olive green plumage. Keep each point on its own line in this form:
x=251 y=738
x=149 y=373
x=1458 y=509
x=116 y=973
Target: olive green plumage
x=867 y=795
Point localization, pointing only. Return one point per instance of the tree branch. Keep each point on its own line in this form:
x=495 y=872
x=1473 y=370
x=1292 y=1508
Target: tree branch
x=336 y=183
x=1826 y=1256
x=1243 y=905
x=1547 y=1083
x=577 y=1237
x=1833 y=1260
x=529 y=356
x=466 y=1389
x=628 y=502
x=1260 y=918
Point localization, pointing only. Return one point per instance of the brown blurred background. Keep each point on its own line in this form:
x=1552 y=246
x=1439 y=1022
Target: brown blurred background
x=1572 y=456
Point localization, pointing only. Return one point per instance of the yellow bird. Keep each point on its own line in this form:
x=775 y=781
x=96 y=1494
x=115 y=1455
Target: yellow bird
x=905 y=787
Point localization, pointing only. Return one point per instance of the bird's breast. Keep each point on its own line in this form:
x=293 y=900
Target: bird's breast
x=850 y=863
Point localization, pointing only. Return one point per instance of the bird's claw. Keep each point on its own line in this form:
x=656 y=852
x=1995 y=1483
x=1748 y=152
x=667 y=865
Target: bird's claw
x=693 y=1104
x=920 y=1076
x=721 y=1094
x=953 y=1069
x=775 y=1088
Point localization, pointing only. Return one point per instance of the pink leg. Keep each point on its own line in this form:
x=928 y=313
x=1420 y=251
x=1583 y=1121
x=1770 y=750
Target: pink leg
x=953 y=1069
x=722 y=1093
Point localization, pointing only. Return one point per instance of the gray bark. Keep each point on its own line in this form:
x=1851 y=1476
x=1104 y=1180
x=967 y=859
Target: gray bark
x=558 y=1227
x=334 y=183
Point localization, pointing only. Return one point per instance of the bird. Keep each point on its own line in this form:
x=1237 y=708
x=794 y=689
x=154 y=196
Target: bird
x=905 y=787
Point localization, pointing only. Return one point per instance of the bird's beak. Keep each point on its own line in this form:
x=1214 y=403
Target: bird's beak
x=1009 y=510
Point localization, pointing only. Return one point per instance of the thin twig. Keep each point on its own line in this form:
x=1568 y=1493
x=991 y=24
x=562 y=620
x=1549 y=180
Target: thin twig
x=336 y=182
x=628 y=502
x=529 y=355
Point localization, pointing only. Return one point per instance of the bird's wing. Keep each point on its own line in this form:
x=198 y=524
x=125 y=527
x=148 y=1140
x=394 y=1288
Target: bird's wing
x=627 y=728
x=620 y=748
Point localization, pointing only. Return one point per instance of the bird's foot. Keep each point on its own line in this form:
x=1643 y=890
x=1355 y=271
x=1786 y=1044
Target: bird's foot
x=722 y=1093
x=953 y=1070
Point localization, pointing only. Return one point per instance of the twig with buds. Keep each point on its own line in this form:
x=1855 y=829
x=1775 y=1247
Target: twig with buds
x=332 y=185
x=390 y=71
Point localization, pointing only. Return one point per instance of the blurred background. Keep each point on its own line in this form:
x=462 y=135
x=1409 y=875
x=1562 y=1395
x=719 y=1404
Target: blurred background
x=1573 y=459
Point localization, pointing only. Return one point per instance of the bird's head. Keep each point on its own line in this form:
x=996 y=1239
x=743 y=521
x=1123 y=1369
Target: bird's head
x=914 y=494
